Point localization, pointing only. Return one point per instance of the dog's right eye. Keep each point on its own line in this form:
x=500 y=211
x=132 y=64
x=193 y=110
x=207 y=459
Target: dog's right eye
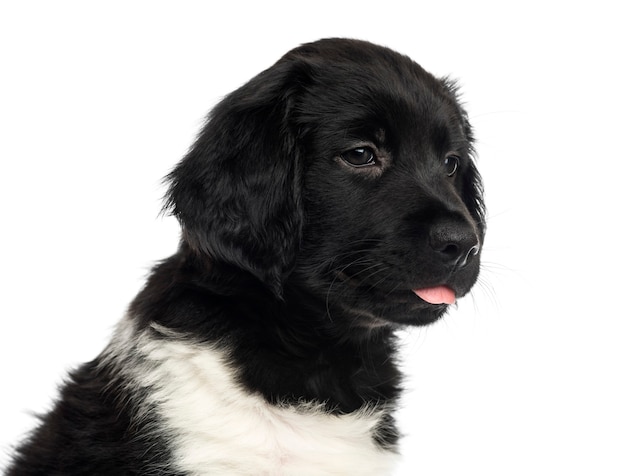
x=359 y=157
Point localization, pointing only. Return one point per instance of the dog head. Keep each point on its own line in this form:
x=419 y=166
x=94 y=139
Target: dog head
x=345 y=169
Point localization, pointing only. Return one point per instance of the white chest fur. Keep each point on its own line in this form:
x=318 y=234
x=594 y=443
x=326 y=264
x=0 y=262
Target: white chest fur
x=215 y=427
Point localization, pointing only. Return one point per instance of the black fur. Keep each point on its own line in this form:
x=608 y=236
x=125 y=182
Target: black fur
x=300 y=263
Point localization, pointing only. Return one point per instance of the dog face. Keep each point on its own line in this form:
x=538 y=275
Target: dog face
x=345 y=172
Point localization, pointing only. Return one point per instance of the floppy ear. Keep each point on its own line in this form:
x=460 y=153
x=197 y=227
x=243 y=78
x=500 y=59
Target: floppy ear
x=237 y=192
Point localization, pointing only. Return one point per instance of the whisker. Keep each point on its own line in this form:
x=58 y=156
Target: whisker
x=371 y=269
x=382 y=280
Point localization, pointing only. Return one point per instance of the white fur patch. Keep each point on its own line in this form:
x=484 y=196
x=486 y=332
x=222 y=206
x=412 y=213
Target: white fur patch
x=216 y=427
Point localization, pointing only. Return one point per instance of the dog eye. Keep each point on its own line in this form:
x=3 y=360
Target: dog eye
x=451 y=164
x=360 y=157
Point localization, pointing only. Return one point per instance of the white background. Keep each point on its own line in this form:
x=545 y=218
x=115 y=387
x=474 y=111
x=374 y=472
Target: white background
x=97 y=103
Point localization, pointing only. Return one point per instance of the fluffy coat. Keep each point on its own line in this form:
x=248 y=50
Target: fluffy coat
x=325 y=204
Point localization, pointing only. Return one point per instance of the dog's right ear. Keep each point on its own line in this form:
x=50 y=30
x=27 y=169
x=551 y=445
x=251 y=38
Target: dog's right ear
x=237 y=191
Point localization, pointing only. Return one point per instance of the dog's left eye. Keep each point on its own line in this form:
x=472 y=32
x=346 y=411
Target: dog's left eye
x=451 y=164
x=360 y=157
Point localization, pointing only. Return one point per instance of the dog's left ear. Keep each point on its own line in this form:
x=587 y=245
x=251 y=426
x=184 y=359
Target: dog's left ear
x=237 y=192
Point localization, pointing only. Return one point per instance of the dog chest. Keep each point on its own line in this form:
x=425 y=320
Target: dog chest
x=215 y=427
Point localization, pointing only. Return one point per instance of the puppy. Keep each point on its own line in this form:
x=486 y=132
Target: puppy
x=328 y=202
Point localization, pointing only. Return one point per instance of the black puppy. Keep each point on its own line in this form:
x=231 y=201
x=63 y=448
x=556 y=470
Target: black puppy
x=325 y=204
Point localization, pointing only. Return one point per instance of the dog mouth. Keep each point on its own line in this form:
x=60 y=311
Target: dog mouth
x=398 y=304
x=436 y=295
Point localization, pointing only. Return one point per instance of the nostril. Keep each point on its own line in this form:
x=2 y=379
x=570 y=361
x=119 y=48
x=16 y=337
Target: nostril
x=473 y=251
x=454 y=241
x=457 y=255
x=450 y=249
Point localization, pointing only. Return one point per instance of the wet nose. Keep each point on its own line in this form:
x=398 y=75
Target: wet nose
x=455 y=241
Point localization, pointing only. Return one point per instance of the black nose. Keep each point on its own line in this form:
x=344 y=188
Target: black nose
x=454 y=240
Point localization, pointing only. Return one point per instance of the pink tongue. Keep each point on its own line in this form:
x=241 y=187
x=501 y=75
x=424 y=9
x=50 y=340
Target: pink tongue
x=437 y=295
